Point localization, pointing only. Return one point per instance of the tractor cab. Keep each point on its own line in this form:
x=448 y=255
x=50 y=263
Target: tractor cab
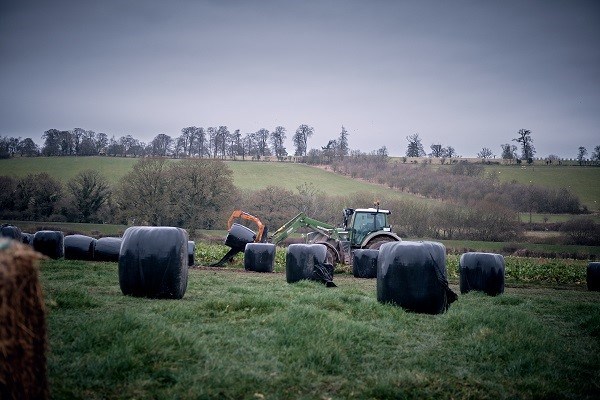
x=361 y=222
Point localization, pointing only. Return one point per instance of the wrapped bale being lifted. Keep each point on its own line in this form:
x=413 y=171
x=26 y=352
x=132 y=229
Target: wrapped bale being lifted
x=364 y=263
x=593 y=276
x=191 y=251
x=308 y=261
x=49 y=243
x=413 y=276
x=79 y=247
x=153 y=262
x=107 y=249
x=482 y=272
x=10 y=231
x=259 y=257
x=23 y=341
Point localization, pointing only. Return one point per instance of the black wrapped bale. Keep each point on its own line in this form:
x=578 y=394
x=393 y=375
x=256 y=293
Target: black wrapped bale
x=79 y=247
x=191 y=251
x=593 y=276
x=483 y=272
x=27 y=238
x=308 y=261
x=413 y=276
x=259 y=257
x=153 y=262
x=10 y=231
x=238 y=236
x=107 y=249
x=49 y=243
x=364 y=263
x=23 y=339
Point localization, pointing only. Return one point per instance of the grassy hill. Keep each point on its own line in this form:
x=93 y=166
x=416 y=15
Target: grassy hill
x=583 y=181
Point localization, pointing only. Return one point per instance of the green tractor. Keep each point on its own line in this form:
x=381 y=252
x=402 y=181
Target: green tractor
x=363 y=228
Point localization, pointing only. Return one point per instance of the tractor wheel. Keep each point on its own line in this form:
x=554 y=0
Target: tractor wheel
x=376 y=243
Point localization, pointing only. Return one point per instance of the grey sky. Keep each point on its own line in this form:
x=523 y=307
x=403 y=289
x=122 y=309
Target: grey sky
x=464 y=73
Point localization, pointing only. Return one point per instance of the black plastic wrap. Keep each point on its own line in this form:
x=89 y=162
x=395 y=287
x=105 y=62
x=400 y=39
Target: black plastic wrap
x=483 y=272
x=259 y=257
x=107 y=249
x=593 y=276
x=79 y=247
x=308 y=261
x=153 y=262
x=413 y=276
x=27 y=238
x=364 y=263
x=49 y=243
x=239 y=236
x=191 y=251
x=10 y=231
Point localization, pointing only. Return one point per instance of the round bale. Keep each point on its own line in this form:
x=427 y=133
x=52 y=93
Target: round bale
x=308 y=261
x=238 y=236
x=10 y=231
x=107 y=249
x=27 y=238
x=593 y=276
x=364 y=263
x=49 y=243
x=259 y=257
x=191 y=252
x=413 y=276
x=79 y=247
x=23 y=339
x=483 y=272
x=153 y=262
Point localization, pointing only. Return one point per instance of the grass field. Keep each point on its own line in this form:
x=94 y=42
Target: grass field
x=239 y=335
x=583 y=181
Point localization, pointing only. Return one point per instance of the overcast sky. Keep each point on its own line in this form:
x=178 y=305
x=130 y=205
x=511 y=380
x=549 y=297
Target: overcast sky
x=468 y=74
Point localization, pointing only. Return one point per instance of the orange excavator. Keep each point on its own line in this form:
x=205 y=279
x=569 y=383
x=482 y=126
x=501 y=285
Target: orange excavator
x=238 y=235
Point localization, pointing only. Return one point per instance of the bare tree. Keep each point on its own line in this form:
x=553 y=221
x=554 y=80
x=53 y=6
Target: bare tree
x=90 y=191
x=485 y=153
x=415 y=147
x=437 y=150
x=581 y=153
x=342 y=142
x=527 y=149
x=509 y=151
x=596 y=154
x=300 y=138
x=278 y=136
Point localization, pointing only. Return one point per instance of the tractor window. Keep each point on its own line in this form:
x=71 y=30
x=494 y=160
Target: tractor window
x=365 y=223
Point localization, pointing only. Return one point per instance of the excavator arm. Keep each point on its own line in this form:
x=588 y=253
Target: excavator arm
x=300 y=221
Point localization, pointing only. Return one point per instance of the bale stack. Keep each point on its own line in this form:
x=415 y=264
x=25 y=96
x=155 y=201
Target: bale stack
x=49 y=243
x=10 y=231
x=482 y=272
x=259 y=257
x=413 y=276
x=364 y=263
x=153 y=262
x=308 y=261
x=79 y=247
x=23 y=340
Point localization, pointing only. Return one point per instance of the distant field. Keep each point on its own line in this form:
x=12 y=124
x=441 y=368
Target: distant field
x=583 y=181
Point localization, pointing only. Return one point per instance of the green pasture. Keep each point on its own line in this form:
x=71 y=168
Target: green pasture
x=583 y=181
x=238 y=335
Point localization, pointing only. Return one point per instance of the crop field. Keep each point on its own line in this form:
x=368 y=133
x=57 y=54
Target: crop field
x=583 y=181
x=246 y=335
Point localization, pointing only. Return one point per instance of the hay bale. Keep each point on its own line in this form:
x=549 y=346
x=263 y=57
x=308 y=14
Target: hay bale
x=191 y=252
x=364 y=263
x=482 y=272
x=412 y=275
x=23 y=342
x=27 y=238
x=239 y=236
x=593 y=276
x=107 y=249
x=259 y=257
x=308 y=261
x=79 y=247
x=153 y=262
x=10 y=231
x=49 y=243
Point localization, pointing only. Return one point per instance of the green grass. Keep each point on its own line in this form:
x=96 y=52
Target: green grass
x=253 y=336
x=583 y=181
